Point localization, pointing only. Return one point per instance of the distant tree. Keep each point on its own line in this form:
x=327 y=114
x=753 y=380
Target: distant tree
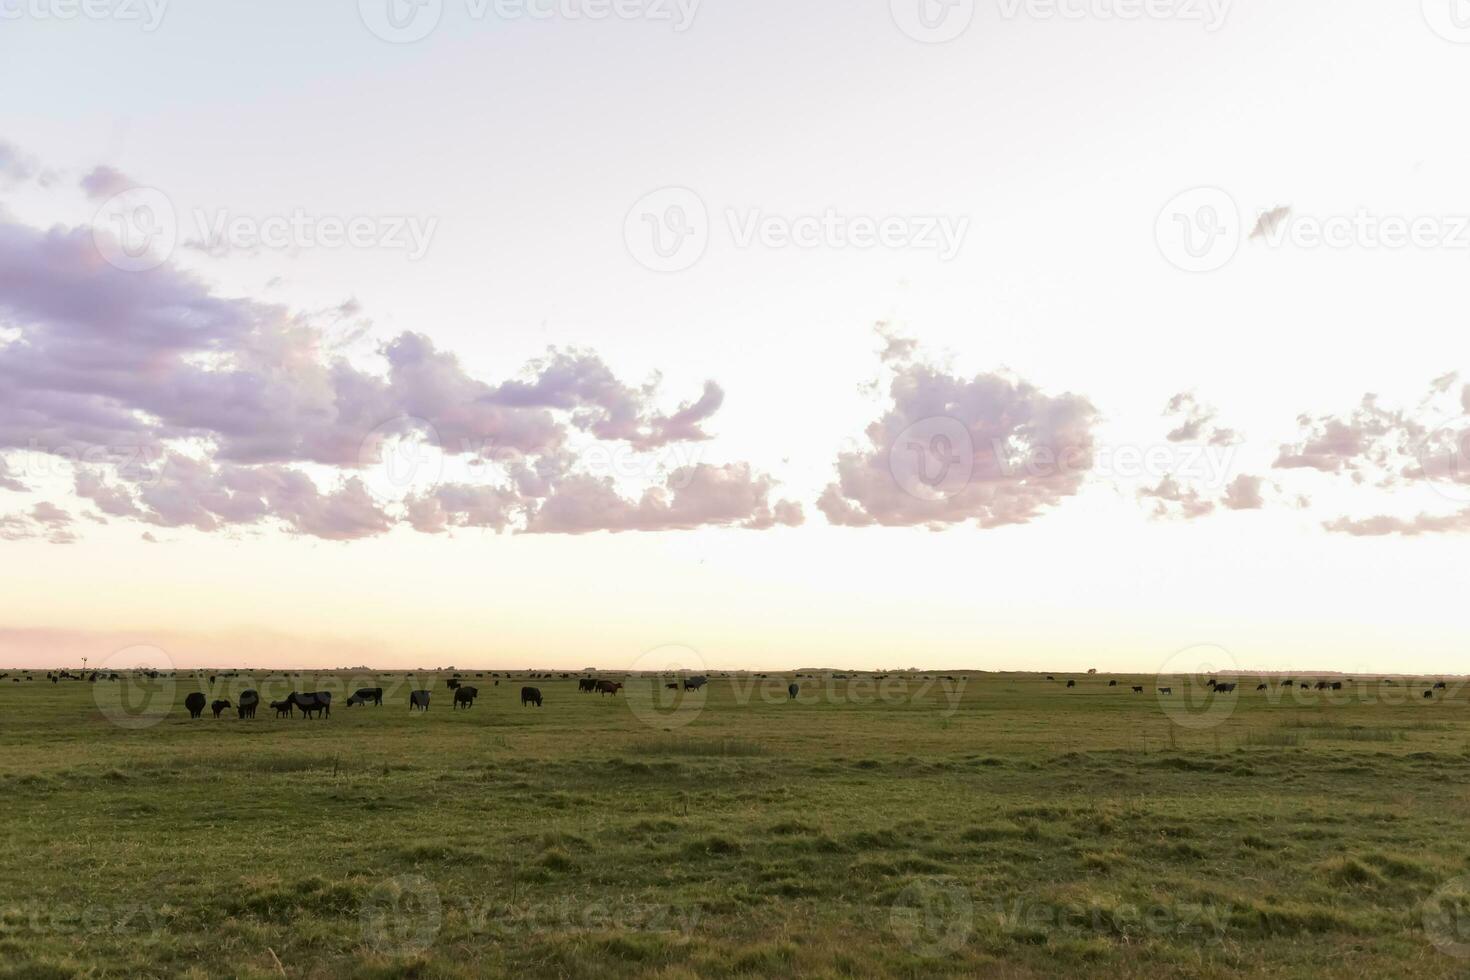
x=1093 y=671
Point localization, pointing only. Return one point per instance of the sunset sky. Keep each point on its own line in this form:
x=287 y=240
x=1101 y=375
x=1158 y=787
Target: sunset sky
x=859 y=335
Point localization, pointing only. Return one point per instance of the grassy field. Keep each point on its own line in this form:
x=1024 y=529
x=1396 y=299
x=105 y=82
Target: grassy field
x=992 y=825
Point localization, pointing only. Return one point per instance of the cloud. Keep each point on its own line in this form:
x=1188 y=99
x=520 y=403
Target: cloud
x=8 y=480
x=1196 y=422
x=990 y=449
x=15 y=165
x=183 y=407
x=1384 y=525
x=1173 y=499
x=695 y=496
x=1244 y=493
x=104 y=182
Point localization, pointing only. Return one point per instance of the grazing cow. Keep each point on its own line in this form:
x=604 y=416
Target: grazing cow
x=609 y=687
x=218 y=708
x=1429 y=694
x=1260 y=687
x=586 y=685
x=1071 y=683
x=1337 y=685
x=313 y=703
x=195 y=703
x=695 y=683
x=1112 y=683
x=465 y=696
x=1441 y=686
x=283 y=709
x=367 y=695
x=1225 y=688
x=530 y=695
x=1050 y=678
x=1137 y=690
x=794 y=690
x=419 y=700
x=245 y=707
x=1321 y=685
x=1166 y=690
x=452 y=684
x=1305 y=685
x=674 y=686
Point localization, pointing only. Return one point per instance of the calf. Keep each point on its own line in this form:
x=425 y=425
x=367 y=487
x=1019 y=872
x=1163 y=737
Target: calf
x=530 y=695
x=218 y=708
x=283 y=709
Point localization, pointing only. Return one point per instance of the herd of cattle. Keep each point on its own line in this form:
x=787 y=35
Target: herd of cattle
x=1229 y=687
x=318 y=704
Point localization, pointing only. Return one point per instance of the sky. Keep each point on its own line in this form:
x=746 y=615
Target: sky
x=908 y=333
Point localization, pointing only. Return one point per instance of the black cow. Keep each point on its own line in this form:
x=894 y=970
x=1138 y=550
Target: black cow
x=586 y=685
x=794 y=690
x=672 y=686
x=419 y=700
x=195 y=703
x=1166 y=690
x=218 y=708
x=695 y=683
x=245 y=707
x=1137 y=690
x=465 y=696
x=313 y=703
x=367 y=695
x=1429 y=694
x=1337 y=685
x=530 y=695
x=1441 y=686
x=609 y=687
x=452 y=684
x=283 y=709
x=1071 y=683
x=1112 y=683
x=1225 y=688
x=1260 y=687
